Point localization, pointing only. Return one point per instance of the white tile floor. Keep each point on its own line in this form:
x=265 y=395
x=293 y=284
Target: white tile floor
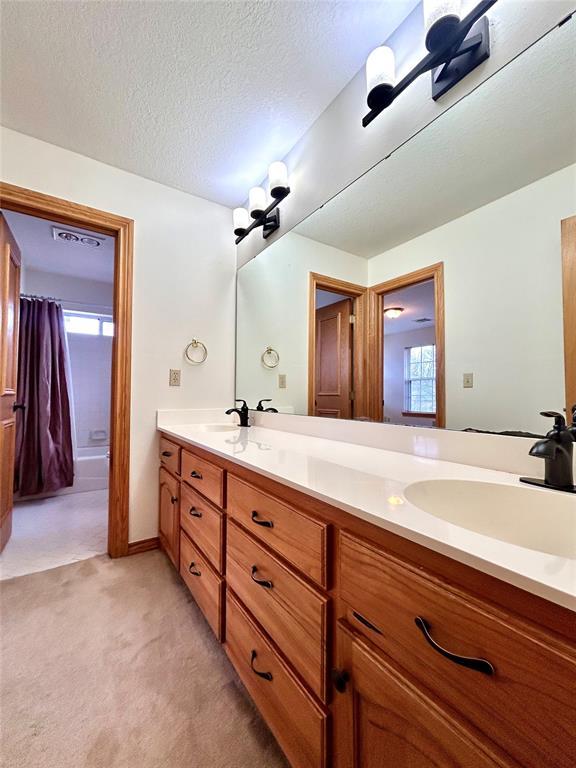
x=56 y=531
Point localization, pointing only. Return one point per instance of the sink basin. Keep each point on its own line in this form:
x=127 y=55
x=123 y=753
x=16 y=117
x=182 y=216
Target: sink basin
x=216 y=427
x=544 y=521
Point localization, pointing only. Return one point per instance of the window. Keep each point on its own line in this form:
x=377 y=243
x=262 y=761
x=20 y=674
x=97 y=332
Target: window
x=88 y=323
x=420 y=379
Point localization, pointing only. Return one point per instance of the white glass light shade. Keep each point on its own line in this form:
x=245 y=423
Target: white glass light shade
x=393 y=312
x=441 y=17
x=257 y=202
x=278 y=178
x=380 y=75
x=241 y=220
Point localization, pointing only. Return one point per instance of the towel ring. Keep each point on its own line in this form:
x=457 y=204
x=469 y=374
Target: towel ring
x=189 y=351
x=270 y=358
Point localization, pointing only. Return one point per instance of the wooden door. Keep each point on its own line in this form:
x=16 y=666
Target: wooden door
x=382 y=720
x=169 y=517
x=9 y=311
x=333 y=364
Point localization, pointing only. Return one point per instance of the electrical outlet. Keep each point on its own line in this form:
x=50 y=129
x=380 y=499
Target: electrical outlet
x=281 y=381
x=174 y=380
x=468 y=380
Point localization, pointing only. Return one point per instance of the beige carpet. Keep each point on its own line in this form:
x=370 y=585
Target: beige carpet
x=109 y=664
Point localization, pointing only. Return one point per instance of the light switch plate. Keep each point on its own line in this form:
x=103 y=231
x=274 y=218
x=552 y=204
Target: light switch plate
x=281 y=381
x=174 y=380
x=468 y=380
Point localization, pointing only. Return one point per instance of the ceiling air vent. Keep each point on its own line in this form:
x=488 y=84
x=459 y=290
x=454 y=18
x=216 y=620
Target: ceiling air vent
x=423 y=320
x=79 y=238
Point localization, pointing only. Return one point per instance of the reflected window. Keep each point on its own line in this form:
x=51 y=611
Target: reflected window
x=420 y=379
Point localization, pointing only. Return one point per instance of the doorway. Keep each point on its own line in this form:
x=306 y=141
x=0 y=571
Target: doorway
x=113 y=326
x=407 y=353
x=336 y=384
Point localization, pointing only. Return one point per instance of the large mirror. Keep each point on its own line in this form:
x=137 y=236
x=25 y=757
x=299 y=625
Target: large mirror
x=430 y=292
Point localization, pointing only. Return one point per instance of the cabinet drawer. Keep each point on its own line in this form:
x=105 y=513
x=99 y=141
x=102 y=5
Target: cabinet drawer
x=170 y=456
x=203 y=582
x=294 y=535
x=296 y=721
x=527 y=706
x=292 y=612
x=203 y=523
x=204 y=476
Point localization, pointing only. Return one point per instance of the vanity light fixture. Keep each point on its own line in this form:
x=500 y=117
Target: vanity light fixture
x=393 y=312
x=263 y=210
x=455 y=47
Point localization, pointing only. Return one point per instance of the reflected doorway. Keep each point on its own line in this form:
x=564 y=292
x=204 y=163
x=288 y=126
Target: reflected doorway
x=336 y=349
x=408 y=352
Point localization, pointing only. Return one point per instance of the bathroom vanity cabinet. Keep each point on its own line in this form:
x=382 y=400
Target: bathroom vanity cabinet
x=362 y=649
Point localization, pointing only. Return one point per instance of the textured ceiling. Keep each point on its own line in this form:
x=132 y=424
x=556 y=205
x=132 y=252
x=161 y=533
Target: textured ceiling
x=517 y=127
x=201 y=96
x=40 y=250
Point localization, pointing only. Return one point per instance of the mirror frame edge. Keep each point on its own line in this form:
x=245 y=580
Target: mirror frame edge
x=568 y=243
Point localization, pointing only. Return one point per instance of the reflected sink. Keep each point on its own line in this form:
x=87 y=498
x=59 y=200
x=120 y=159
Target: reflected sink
x=216 y=427
x=544 y=521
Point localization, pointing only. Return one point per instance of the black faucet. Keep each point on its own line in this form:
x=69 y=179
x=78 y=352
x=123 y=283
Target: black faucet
x=260 y=407
x=243 y=412
x=557 y=450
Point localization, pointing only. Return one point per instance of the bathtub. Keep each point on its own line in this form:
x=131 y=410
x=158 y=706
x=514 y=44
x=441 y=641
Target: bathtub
x=91 y=467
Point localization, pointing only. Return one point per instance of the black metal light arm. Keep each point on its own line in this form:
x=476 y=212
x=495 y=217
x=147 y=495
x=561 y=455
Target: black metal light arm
x=444 y=56
x=269 y=219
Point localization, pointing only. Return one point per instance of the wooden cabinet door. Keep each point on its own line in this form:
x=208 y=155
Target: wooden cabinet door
x=382 y=720
x=333 y=364
x=169 y=518
x=9 y=311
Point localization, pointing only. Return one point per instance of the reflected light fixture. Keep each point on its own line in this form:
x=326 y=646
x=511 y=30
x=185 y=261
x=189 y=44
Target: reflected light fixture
x=456 y=46
x=393 y=312
x=263 y=211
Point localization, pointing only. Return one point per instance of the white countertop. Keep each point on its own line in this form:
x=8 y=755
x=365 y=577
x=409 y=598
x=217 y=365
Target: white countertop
x=361 y=480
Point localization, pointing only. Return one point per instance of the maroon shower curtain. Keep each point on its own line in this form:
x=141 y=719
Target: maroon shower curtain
x=44 y=460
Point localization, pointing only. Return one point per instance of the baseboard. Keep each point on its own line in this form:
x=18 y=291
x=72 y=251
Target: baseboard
x=144 y=545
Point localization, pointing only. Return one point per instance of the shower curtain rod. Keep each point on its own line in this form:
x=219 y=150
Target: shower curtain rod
x=65 y=301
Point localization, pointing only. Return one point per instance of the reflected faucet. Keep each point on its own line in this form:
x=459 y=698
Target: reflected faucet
x=242 y=412
x=557 y=450
x=260 y=406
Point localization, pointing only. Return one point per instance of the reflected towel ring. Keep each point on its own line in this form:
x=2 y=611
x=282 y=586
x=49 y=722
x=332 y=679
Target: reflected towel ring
x=270 y=358
x=189 y=352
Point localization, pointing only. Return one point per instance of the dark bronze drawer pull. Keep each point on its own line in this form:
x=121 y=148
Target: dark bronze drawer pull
x=167 y=454
x=263 y=523
x=362 y=620
x=262 y=582
x=265 y=675
x=340 y=679
x=194 y=512
x=173 y=499
x=193 y=572
x=195 y=474
x=480 y=665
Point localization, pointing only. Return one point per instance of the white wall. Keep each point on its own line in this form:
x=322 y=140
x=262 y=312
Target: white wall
x=394 y=345
x=184 y=270
x=336 y=149
x=273 y=293
x=76 y=293
x=503 y=301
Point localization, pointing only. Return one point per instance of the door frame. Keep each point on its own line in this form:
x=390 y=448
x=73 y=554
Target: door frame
x=21 y=200
x=568 y=238
x=376 y=337
x=359 y=338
